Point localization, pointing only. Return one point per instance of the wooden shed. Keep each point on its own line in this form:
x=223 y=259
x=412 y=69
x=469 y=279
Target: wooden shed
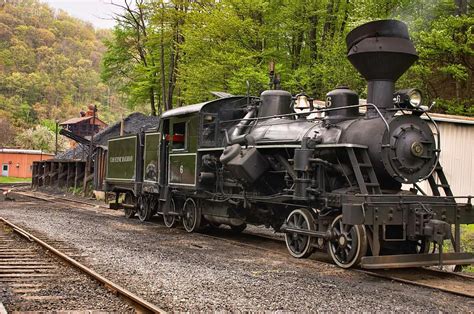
x=18 y=162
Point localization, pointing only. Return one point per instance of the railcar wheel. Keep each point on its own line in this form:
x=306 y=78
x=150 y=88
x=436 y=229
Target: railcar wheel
x=170 y=220
x=349 y=244
x=144 y=208
x=191 y=215
x=300 y=246
x=129 y=212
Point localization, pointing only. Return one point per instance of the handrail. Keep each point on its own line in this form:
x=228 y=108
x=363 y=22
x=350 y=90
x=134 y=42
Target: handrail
x=313 y=111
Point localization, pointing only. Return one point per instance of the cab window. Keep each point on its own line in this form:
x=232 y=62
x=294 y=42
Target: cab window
x=179 y=136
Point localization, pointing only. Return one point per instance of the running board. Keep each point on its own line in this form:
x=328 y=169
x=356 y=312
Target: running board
x=416 y=260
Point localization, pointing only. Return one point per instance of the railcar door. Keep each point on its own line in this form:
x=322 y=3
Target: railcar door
x=182 y=156
x=151 y=167
x=5 y=170
x=164 y=152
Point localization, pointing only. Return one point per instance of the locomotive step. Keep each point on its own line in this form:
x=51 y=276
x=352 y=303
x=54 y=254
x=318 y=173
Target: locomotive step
x=416 y=260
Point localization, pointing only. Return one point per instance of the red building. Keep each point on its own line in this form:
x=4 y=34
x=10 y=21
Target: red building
x=18 y=162
x=86 y=124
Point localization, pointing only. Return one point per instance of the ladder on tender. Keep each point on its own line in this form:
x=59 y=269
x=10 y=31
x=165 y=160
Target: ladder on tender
x=435 y=187
x=363 y=170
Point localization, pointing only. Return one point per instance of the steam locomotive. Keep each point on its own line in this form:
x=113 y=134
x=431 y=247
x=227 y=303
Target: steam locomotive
x=328 y=178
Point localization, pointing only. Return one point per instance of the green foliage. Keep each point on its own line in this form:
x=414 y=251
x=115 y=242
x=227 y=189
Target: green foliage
x=222 y=44
x=49 y=66
x=41 y=138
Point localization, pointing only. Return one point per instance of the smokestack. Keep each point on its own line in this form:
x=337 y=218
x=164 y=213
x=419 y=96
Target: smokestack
x=381 y=51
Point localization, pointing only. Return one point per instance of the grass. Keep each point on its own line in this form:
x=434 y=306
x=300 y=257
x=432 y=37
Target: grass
x=13 y=180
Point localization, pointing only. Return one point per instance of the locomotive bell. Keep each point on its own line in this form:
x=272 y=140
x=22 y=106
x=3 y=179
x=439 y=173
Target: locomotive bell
x=381 y=51
x=342 y=96
x=274 y=102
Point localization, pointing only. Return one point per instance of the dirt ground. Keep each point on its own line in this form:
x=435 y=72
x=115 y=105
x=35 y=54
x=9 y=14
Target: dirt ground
x=193 y=272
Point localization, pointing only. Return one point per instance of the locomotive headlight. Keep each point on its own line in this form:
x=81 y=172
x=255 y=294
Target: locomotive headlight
x=415 y=98
x=409 y=98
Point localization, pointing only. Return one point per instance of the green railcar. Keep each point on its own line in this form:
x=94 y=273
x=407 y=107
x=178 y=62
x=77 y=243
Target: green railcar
x=122 y=159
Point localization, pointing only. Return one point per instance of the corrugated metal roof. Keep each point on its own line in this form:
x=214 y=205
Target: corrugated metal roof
x=439 y=117
x=23 y=151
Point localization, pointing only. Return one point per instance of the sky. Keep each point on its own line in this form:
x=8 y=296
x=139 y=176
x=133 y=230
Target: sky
x=97 y=12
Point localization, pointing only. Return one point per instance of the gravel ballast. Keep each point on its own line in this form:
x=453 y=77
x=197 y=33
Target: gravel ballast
x=36 y=280
x=192 y=272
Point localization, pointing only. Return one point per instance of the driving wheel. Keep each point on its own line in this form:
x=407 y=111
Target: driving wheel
x=170 y=220
x=349 y=243
x=191 y=216
x=300 y=246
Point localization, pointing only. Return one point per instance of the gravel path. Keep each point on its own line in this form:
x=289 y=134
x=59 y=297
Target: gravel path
x=191 y=272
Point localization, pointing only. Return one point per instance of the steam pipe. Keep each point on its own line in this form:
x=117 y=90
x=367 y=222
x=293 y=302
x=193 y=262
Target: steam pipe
x=237 y=133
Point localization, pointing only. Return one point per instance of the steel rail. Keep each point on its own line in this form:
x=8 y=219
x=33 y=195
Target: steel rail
x=374 y=273
x=139 y=303
x=380 y=274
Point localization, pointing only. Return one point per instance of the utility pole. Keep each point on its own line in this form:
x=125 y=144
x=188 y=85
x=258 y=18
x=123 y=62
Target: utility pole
x=56 y=145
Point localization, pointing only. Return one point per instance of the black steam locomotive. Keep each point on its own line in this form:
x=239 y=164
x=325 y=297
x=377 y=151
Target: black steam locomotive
x=329 y=178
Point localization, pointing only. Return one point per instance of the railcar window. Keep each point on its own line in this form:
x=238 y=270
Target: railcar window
x=208 y=131
x=179 y=135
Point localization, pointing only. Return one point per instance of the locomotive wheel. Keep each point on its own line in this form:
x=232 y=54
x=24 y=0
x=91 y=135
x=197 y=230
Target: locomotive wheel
x=191 y=215
x=238 y=229
x=170 y=220
x=129 y=213
x=300 y=246
x=144 y=208
x=349 y=244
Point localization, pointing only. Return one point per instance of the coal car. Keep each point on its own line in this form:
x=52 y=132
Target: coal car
x=330 y=179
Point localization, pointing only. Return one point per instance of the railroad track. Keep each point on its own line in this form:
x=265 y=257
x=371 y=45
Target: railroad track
x=27 y=271
x=454 y=283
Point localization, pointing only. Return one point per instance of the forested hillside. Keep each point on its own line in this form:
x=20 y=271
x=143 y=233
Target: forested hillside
x=49 y=69
x=170 y=53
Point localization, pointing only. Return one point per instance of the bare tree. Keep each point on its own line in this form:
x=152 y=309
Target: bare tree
x=134 y=16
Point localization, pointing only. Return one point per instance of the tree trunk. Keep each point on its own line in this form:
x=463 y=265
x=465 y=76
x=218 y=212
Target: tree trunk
x=162 y=60
x=328 y=24
x=346 y=16
x=313 y=45
x=461 y=7
x=152 y=101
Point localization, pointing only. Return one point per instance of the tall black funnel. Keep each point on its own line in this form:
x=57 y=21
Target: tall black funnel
x=381 y=51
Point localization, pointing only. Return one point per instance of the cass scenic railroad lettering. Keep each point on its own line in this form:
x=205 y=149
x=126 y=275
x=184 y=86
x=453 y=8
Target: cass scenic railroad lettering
x=121 y=159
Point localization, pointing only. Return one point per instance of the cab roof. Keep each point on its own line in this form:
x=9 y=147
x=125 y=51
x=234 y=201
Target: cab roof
x=181 y=111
